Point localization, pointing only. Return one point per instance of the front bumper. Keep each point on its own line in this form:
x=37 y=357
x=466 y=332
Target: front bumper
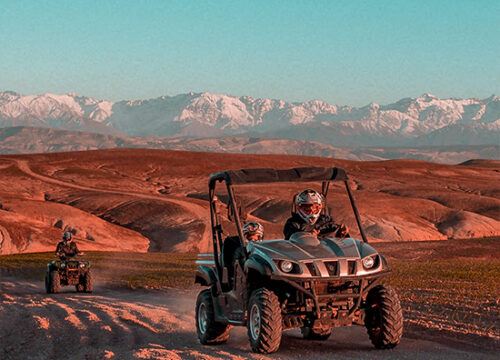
x=319 y=291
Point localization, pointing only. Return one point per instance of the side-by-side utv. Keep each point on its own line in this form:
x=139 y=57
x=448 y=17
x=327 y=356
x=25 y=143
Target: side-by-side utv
x=306 y=282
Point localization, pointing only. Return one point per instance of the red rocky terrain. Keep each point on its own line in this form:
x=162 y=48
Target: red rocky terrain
x=155 y=200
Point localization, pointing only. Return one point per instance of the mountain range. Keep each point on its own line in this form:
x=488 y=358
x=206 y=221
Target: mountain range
x=410 y=122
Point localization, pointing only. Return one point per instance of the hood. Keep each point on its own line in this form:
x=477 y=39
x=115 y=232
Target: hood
x=321 y=249
x=315 y=258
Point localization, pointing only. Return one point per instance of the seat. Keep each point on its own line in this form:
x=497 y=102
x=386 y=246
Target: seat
x=229 y=247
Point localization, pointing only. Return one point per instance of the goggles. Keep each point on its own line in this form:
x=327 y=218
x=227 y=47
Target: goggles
x=309 y=209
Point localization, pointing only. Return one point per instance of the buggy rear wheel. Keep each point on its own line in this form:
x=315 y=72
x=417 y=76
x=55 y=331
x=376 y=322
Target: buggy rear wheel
x=309 y=333
x=209 y=331
x=384 y=317
x=264 y=323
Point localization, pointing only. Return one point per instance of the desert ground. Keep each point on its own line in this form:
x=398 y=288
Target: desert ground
x=445 y=318
x=120 y=324
x=154 y=200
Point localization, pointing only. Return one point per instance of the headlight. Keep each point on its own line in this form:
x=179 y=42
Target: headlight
x=82 y=265
x=63 y=265
x=286 y=266
x=368 y=262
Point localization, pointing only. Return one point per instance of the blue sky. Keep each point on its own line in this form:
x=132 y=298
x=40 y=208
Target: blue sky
x=343 y=52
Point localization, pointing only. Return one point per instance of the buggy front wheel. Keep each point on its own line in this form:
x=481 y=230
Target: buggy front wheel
x=384 y=317
x=264 y=322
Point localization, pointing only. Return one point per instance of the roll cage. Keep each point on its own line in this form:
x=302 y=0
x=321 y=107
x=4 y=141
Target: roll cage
x=262 y=176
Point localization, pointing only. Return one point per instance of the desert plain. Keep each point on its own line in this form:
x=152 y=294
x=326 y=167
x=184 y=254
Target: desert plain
x=154 y=200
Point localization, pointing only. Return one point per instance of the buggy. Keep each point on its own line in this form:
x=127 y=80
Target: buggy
x=306 y=282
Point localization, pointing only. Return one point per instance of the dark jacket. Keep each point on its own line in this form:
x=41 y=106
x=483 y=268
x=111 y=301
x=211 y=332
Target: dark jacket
x=66 y=250
x=325 y=224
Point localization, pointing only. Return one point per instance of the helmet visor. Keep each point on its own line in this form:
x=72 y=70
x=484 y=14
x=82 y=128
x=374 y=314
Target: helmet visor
x=254 y=237
x=310 y=209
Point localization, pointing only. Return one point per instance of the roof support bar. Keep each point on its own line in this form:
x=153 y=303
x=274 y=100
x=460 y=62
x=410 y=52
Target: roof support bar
x=236 y=214
x=356 y=214
x=216 y=236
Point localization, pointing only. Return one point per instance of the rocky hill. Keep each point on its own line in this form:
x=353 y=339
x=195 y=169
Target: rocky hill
x=156 y=200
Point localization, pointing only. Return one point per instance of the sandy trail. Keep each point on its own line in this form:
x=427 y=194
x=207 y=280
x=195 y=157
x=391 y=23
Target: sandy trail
x=123 y=324
x=193 y=210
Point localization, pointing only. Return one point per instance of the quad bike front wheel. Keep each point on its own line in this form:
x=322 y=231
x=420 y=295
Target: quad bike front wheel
x=384 y=317
x=264 y=322
x=88 y=286
x=309 y=333
x=54 y=282
x=209 y=331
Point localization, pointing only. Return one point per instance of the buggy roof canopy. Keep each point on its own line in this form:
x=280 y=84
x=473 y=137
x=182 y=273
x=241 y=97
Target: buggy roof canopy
x=256 y=176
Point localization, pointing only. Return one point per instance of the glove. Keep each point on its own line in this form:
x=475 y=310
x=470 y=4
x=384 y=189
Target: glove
x=342 y=232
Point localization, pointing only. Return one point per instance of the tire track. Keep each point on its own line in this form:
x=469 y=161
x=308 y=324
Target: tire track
x=124 y=324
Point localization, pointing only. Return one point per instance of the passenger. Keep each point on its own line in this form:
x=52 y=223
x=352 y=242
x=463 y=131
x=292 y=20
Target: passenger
x=308 y=217
x=253 y=231
x=67 y=248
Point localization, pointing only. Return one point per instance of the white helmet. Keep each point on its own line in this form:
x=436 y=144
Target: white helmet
x=309 y=204
x=253 y=228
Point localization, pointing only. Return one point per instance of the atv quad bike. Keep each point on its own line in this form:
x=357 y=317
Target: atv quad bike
x=68 y=272
x=310 y=283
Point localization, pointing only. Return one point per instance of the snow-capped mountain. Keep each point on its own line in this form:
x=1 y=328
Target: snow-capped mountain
x=426 y=120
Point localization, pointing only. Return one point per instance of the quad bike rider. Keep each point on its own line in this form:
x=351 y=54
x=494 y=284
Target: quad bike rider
x=67 y=271
x=67 y=248
x=307 y=216
x=307 y=281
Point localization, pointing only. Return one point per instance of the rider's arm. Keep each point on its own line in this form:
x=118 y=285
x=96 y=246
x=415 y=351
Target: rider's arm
x=330 y=227
x=291 y=227
x=327 y=225
x=58 y=248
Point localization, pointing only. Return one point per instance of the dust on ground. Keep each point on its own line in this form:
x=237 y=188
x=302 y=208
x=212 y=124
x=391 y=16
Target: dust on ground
x=159 y=324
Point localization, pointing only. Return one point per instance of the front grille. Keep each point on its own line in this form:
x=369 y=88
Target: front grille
x=332 y=267
x=351 y=267
x=312 y=269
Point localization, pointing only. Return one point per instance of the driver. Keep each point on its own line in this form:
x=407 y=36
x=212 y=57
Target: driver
x=308 y=217
x=67 y=247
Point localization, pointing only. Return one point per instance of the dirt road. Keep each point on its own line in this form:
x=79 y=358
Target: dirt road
x=123 y=324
